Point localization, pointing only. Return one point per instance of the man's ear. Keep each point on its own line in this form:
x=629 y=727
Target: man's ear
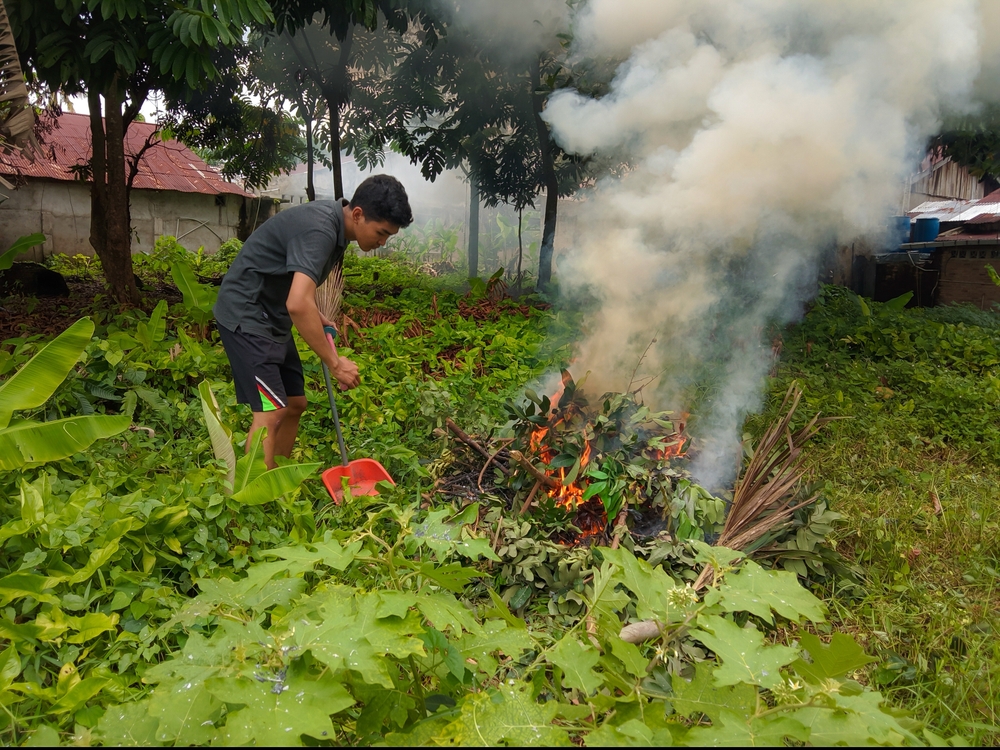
x=357 y=213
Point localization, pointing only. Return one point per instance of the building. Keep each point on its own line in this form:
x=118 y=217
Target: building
x=174 y=193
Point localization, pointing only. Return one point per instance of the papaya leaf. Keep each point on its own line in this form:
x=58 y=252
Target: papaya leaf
x=702 y=696
x=758 y=591
x=733 y=730
x=128 y=725
x=508 y=716
x=834 y=661
x=577 y=662
x=744 y=656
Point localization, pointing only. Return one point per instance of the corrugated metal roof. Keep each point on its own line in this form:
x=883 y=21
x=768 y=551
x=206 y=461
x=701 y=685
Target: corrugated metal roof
x=943 y=210
x=169 y=165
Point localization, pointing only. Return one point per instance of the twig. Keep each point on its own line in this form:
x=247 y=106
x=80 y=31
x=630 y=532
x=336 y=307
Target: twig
x=479 y=482
x=531 y=496
x=619 y=522
x=639 y=363
x=460 y=434
x=549 y=482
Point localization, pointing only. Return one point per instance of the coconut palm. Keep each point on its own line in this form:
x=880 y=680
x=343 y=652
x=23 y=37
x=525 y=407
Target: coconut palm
x=17 y=118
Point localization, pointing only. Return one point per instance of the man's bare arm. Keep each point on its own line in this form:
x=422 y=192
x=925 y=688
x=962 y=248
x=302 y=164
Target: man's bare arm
x=301 y=304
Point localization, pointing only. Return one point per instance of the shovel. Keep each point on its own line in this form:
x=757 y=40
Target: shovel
x=362 y=473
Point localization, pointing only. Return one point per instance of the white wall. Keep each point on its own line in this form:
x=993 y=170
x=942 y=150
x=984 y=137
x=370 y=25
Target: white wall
x=61 y=211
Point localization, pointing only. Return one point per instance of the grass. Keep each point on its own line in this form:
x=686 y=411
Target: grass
x=916 y=473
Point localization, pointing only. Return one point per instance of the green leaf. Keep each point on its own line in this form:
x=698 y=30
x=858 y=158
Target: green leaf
x=495 y=636
x=32 y=502
x=438 y=646
x=92 y=625
x=577 y=662
x=733 y=730
x=856 y=720
x=21 y=245
x=44 y=736
x=186 y=710
x=128 y=725
x=444 y=611
x=274 y=483
x=758 y=591
x=20 y=585
x=702 y=696
x=78 y=695
x=650 y=586
x=10 y=667
x=509 y=716
x=41 y=442
x=831 y=662
x=222 y=438
x=744 y=657
x=198 y=298
x=277 y=714
x=629 y=655
x=329 y=553
x=37 y=380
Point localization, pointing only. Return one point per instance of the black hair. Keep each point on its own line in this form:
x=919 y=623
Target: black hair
x=383 y=198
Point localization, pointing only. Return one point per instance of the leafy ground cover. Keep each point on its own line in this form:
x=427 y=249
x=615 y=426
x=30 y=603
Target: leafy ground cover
x=155 y=590
x=915 y=471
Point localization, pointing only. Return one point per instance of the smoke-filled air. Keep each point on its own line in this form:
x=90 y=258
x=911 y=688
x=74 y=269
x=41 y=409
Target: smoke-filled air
x=759 y=136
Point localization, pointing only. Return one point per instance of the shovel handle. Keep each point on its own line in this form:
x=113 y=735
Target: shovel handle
x=330 y=333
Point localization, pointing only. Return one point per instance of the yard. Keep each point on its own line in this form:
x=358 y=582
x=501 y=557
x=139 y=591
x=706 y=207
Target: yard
x=148 y=601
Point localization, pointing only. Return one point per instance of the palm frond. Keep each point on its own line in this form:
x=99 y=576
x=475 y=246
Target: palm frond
x=330 y=294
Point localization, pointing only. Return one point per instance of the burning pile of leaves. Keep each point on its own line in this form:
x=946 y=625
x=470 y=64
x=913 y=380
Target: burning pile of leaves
x=568 y=474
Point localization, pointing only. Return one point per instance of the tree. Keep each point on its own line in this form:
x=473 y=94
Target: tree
x=973 y=142
x=328 y=40
x=472 y=101
x=117 y=53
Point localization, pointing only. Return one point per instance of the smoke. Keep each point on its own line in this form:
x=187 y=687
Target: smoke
x=760 y=134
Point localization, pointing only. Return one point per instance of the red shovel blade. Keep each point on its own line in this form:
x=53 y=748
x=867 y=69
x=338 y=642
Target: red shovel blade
x=362 y=476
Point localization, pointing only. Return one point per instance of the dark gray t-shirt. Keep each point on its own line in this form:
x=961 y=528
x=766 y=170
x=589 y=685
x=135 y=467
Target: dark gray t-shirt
x=308 y=239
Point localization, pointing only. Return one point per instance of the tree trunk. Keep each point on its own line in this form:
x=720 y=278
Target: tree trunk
x=310 y=187
x=337 y=95
x=116 y=258
x=548 y=177
x=473 y=228
x=520 y=248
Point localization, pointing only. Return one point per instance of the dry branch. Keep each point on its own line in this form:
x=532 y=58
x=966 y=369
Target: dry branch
x=525 y=464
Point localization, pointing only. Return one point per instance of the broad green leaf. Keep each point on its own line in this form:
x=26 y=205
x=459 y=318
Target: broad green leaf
x=40 y=442
x=360 y=639
x=274 y=483
x=631 y=733
x=266 y=585
x=758 y=591
x=197 y=296
x=21 y=245
x=20 y=632
x=97 y=558
x=650 y=586
x=10 y=667
x=187 y=712
x=439 y=648
x=733 y=730
x=629 y=655
x=32 y=504
x=220 y=435
x=495 y=636
x=329 y=553
x=743 y=655
x=443 y=537
x=44 y=736
x=128 y=725
x=395 y=603
x=508 y=716
x=834 y=661
x=444 y=611
x=32 y=385
x=702 y=696
x=577 y=662
x=856 y=720
x=251 y=464
x=453 y=576
x=79 y=694
x=277 y=714
x=92 y=625
x=20 y=585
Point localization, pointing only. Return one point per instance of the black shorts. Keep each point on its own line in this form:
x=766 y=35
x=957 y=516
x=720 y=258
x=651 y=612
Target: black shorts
x=266 y=372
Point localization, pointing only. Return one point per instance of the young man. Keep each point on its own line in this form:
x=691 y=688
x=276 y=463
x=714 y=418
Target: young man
x=271 y=286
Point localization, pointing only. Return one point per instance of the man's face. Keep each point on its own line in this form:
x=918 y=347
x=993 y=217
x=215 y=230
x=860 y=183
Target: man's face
x=373 y=234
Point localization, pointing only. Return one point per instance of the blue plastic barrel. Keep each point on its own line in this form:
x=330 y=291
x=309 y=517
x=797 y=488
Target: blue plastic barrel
x=899 y=232
x=926 y=230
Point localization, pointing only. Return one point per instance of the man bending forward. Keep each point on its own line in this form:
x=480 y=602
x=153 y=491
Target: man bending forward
x=271 y=286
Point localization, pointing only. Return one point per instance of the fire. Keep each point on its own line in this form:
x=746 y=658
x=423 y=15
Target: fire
x=670 y=451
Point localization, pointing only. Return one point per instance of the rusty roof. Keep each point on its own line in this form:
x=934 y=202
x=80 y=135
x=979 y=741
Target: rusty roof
x=168 y=165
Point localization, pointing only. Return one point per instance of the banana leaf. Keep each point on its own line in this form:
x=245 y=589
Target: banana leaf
x=274 y=483
x=32 y=385
x=37 y=442
x=21 y=245
x=220 y=435
x=198 y=298
x=251 y=465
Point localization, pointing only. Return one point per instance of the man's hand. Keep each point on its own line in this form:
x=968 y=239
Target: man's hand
x=346 y=374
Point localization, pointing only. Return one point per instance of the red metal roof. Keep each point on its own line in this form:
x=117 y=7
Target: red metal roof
x=168 y=165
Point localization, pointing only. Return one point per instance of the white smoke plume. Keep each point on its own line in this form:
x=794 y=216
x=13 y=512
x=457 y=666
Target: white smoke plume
x=760 y=134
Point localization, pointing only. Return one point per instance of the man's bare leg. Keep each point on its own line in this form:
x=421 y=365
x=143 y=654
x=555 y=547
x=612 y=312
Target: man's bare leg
x=288 y=427
x=271 y=420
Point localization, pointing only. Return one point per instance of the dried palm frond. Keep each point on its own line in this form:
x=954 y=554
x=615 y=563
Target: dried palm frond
x=17 y=118
x=330 y=294
x=762 y=498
